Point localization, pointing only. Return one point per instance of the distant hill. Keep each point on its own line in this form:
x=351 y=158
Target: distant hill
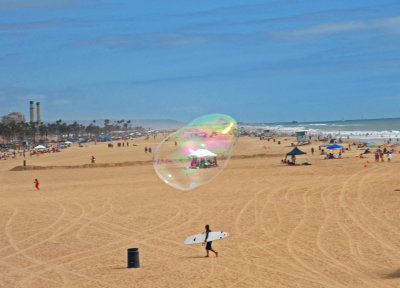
x=158 y=123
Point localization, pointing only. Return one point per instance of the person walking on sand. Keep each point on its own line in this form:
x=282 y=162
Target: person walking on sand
x=37 y=184
x=208 y=244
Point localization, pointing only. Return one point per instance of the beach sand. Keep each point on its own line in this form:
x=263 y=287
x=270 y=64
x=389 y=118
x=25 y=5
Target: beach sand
x=332 y=224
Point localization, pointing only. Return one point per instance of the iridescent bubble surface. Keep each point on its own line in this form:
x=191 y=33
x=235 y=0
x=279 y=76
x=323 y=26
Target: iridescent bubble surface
x=195 y=154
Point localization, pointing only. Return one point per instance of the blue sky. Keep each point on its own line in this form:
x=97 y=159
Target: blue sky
x=258 y=61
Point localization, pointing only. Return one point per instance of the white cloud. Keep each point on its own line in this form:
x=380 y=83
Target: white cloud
x=140 y=41
x=392 y=24
x=156 y=40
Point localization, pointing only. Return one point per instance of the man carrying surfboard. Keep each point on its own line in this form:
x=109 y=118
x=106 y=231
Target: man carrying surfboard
x=208 y=244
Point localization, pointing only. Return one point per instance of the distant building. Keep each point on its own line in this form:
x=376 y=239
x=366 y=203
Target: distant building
x=13 y=117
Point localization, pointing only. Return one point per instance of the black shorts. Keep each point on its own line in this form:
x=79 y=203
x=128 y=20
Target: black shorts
x=208 y=245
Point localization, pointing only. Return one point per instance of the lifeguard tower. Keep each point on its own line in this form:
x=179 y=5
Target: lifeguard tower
x=301 y=138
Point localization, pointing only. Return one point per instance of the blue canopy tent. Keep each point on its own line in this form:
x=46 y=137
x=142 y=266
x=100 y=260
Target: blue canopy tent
x=295 y=151
x=334 y=146
x=105 y=138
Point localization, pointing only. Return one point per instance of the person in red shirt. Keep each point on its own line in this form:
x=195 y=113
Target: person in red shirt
x=37 y=184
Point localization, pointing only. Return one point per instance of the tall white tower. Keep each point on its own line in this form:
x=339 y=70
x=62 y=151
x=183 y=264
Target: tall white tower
x=38 y=114
x=32 y=112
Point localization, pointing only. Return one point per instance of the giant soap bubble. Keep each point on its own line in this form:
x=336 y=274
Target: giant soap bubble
x=195 y=154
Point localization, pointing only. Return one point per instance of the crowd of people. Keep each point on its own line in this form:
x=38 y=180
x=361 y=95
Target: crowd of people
x=11 y=154
x=380 y=155
x=203 y=163
x=6 y=154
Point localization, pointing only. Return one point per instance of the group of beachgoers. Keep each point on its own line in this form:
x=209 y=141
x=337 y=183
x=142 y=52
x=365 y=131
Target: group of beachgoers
x=22 y=153
x=11 y=155
x=119 y=144
x=380 y=155
x=15 y=153
x=330 y=155
x=51 y=149
x=203 y=163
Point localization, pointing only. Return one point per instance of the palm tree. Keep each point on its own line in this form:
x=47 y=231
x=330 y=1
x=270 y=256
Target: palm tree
x=4 y=130
x=75 y=129
x=59 y=128
x=106 y=126
x=64 y=130
x=43 y=131
x=139 y=128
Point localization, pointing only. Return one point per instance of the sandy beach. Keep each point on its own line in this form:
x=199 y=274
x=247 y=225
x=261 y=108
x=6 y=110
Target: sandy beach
x=331 y=224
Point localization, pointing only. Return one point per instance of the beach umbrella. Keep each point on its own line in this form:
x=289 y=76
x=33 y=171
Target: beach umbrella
x=68 y=142
x=40 y=147
x=295 y=151
x=334 y=146
x=61 y=143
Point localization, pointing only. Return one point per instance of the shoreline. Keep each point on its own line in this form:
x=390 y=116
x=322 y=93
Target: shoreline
x=366 y=136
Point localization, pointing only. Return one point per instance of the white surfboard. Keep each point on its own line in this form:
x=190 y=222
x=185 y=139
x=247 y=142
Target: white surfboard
x=199 y=238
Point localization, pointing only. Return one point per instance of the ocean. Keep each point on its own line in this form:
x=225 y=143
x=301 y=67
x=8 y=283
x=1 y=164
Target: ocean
x=374 y=130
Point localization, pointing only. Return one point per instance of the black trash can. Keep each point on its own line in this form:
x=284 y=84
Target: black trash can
x=133 y=258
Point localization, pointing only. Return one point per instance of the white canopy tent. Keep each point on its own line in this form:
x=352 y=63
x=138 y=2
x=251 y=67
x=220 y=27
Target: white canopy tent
x=40 y=147
x=201 y=153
